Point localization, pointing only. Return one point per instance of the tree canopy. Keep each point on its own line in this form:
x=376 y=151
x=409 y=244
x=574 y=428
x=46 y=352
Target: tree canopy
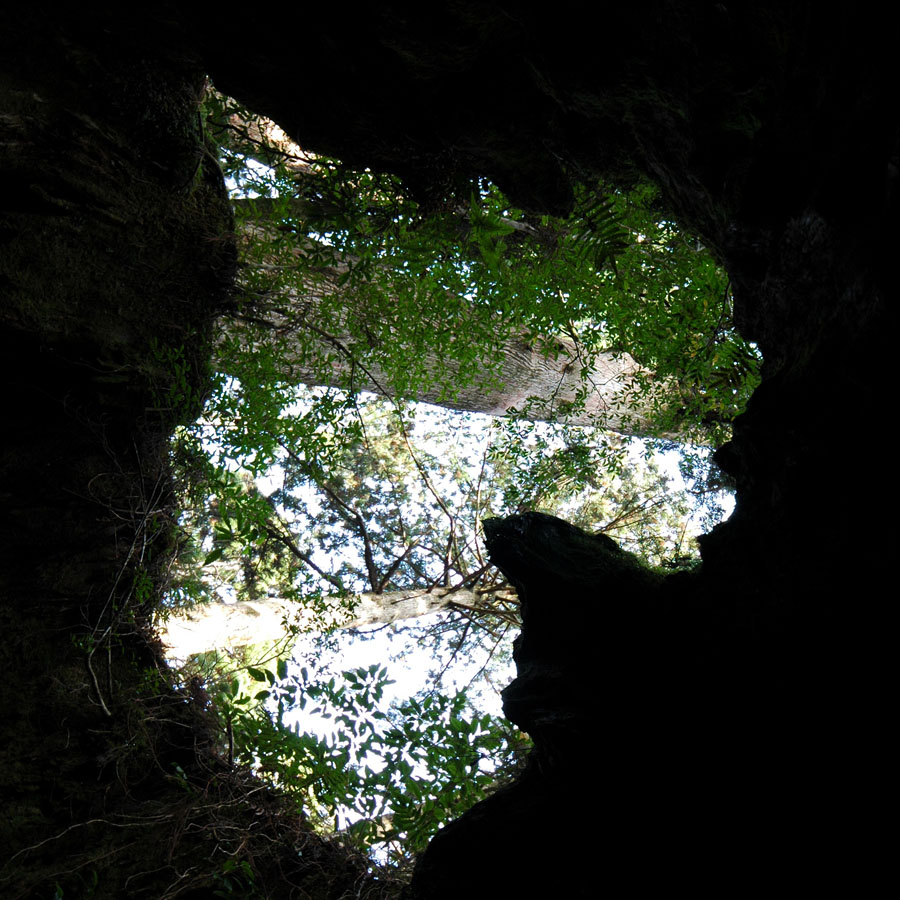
x=346 y=272
x=349 y=280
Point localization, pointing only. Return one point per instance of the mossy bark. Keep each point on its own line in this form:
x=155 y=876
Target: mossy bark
x=117 y=251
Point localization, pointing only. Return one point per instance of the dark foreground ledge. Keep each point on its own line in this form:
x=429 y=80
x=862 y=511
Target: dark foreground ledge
x=679 y=735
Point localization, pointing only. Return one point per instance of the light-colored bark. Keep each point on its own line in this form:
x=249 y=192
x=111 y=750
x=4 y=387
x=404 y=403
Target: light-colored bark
x=541 y=385
x=223 y=626
x=540 y=379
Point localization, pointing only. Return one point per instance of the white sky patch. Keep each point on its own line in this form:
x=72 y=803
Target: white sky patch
x=238 y=188
x=409 y=666
x=272 y=481
x=461 y=439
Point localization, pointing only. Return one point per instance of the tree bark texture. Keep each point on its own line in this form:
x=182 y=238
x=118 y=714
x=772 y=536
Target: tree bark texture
x=543 y=386
x=216 y=625
x=546 y=378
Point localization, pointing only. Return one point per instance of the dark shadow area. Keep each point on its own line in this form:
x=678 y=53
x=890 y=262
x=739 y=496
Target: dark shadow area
x=719 y=730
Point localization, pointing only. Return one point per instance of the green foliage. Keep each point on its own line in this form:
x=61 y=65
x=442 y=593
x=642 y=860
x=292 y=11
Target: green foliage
x=236 y=879
x=382 y=279
x=601 y=482
x=385 y=777
x=398 y=505
x=392 y=499
x=176 y=387
x=344 y=272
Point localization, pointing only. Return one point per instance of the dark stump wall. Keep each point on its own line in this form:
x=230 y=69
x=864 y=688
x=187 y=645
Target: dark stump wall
x=721 y=730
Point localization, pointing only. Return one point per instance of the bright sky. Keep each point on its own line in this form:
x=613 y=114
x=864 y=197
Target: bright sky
x=409 y=663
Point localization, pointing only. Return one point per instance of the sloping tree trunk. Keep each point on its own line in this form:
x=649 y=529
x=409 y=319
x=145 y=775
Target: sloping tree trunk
x=548 y=379
x=218 y=626
x=543 y=386
x=544 y=379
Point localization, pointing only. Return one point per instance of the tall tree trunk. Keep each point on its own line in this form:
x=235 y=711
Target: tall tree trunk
x=548 y=379
x=543 y=378
x=217 y=626
x=542 y=384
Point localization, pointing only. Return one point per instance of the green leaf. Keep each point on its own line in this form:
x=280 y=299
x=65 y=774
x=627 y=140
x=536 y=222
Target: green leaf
x=215 y=554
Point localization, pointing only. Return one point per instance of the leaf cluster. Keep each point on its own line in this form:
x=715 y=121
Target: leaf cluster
x=342 y=271
x=427 y=292
x=384 y=776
